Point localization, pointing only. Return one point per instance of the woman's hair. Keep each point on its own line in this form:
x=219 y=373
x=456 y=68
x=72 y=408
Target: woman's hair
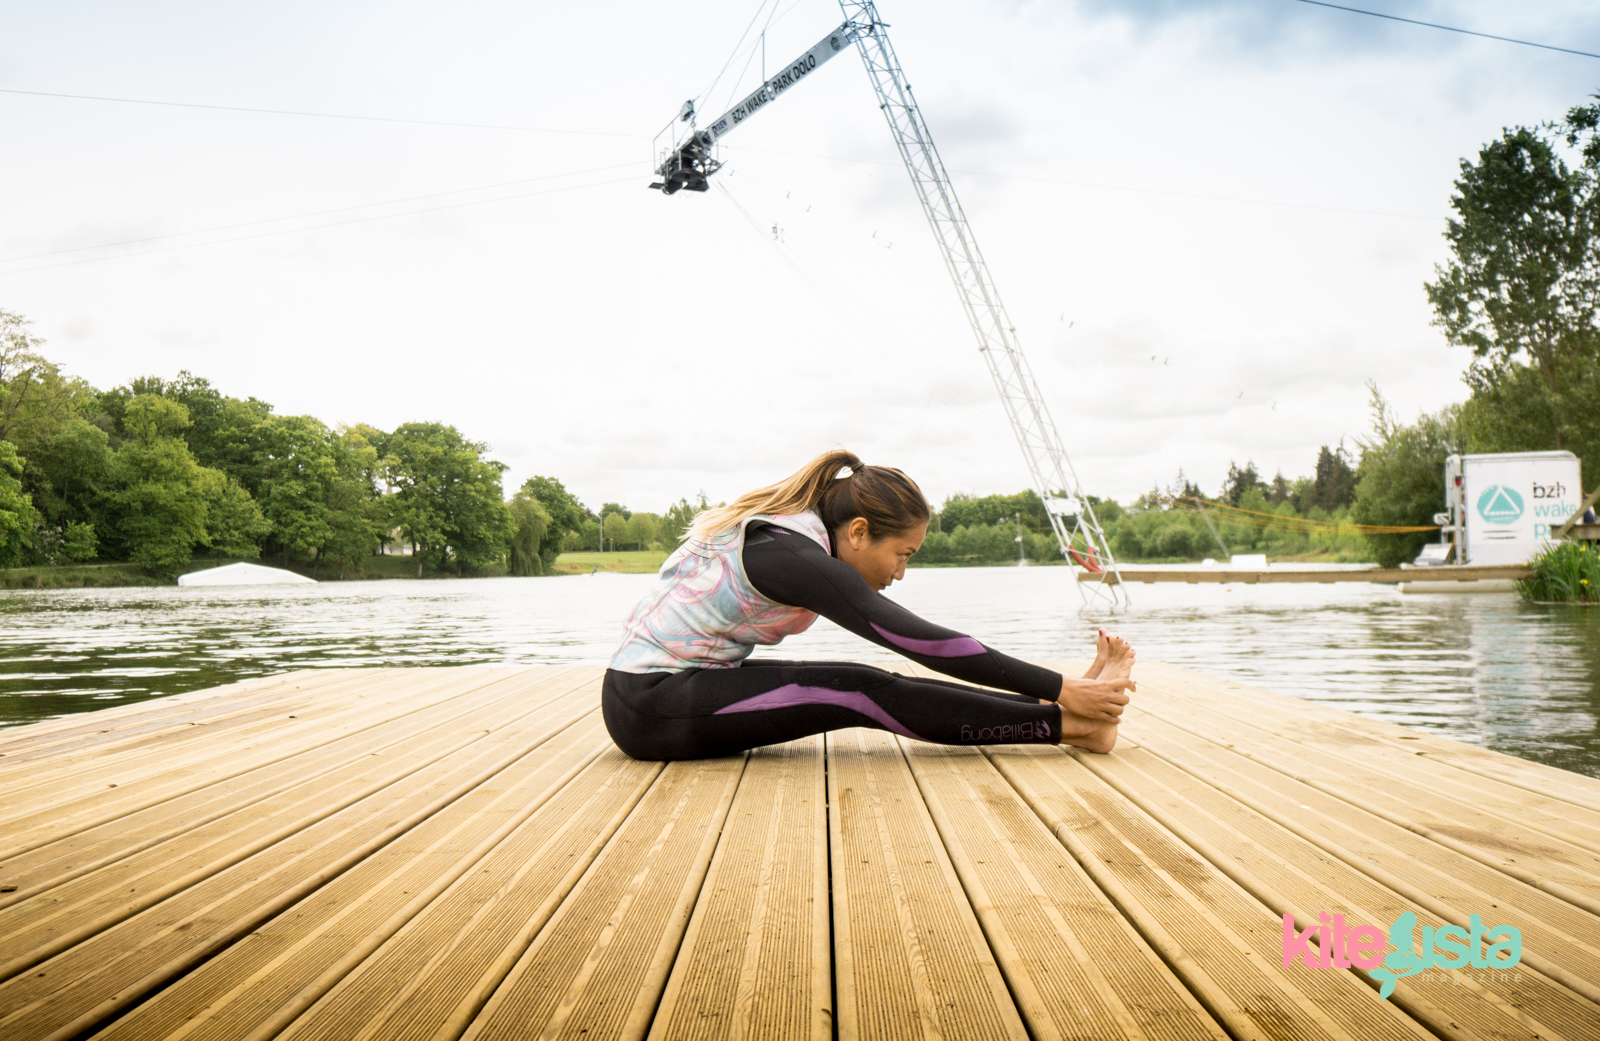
x=889 y=500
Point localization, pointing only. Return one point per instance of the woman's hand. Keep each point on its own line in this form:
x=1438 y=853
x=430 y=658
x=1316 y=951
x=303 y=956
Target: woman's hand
x=1098 y=700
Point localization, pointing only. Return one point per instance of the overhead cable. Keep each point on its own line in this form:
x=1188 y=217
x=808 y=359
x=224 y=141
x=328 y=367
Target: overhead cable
x=316 y=115
x=313 y=213
x=1448 y=28
x=330 y=224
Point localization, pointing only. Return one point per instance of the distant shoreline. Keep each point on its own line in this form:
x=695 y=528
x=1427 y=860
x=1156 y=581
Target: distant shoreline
x=625 y=562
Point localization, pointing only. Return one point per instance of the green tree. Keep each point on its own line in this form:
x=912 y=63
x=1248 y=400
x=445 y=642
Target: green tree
x=66 y=470
x=530 y=523
x=1334 y=484
x=1400 y=479
x=235 y=525
x=675 y=522
x=642 y=529
x=962 y=510
x=1241 y=480
x=32 y=389
x=616 y=528
x=290 y=472
x=567 y=514
x=161 y=494
x=16 y=508
x=357 y=516
x=1522 y=288
x=447 y=499
x=78 y=543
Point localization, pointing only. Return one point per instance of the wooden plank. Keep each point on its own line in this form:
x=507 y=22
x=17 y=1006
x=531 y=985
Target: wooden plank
x=910 y=960
x=112 y=719
x=90 y=806
x=1292 y=874
x=1537 y=777
x=316 y=718
x=1222 y=942
x=265 y=981
x=1560 y=940
x=1331 y=754
x=55 y=863
x=1074 y=964
x=596 y=971
x=200 y=915
x=1562 y=868
x=44 y=924
x=31 y=743
x=1252 y=576
x=756 y=960
x=92 y=776
x=435 y=974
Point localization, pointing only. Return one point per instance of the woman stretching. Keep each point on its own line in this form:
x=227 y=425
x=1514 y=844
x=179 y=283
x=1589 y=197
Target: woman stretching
x=683 y=686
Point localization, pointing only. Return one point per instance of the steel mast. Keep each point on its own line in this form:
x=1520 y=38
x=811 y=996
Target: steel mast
x=1071 y=515
x=689 y=164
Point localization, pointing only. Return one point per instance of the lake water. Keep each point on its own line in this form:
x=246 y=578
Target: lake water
x=1482 y=668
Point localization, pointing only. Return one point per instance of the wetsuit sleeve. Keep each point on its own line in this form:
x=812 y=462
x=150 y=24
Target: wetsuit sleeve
x=793 y=570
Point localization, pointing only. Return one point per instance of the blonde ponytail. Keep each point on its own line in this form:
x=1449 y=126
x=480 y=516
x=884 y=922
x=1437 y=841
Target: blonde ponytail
x=889 y=500
x=796 y=493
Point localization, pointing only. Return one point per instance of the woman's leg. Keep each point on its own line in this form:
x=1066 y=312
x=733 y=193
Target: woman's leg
x=703 y=713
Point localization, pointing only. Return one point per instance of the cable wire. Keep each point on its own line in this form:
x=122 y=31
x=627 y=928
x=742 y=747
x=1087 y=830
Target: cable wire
x=1448 y=28
x=313 y=213
x=330 y=224
x=317 y=115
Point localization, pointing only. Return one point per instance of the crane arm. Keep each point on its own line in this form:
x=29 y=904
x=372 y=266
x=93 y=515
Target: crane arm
x=690 y=162
x=1071 y=514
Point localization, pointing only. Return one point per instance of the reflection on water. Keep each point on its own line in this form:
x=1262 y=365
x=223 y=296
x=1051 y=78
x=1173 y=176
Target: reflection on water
x=1483 y=668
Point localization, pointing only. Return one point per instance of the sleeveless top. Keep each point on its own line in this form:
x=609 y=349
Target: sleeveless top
x=705 y=613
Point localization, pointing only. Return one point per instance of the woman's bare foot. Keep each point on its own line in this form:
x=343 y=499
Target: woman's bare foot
x=1102 y=651
x=1087 y=734
x=1119 y=663
x=1090 y=713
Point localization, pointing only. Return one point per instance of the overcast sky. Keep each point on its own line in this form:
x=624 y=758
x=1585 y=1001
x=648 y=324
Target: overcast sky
x=1211 y=223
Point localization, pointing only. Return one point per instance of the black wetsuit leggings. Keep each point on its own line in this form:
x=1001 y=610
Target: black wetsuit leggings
x=703 y=713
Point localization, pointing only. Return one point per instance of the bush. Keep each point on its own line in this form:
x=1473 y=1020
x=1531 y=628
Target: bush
x=1400 y=481
x=1567 y=572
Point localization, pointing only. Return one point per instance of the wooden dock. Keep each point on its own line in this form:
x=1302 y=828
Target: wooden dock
x=1251 y=576
x=462 y=853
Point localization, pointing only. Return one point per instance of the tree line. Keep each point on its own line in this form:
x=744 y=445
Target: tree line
x=1163 y=524
x=153 y=471
x=157 y=470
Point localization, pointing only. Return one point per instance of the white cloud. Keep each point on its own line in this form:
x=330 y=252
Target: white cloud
x=1203 y=182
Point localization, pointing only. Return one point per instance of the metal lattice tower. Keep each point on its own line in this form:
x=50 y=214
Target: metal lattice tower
x=1071 y=515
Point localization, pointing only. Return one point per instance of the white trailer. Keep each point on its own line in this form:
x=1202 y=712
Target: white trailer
x=1501 y=509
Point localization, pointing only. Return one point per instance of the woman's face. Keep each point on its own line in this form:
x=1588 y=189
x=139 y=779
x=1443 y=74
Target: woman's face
x=879 y=561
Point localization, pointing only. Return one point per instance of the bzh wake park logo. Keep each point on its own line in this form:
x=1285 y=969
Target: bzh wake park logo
x=1499 y=505
x=1339 y=946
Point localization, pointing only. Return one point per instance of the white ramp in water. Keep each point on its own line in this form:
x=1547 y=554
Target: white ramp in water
x=244 y=575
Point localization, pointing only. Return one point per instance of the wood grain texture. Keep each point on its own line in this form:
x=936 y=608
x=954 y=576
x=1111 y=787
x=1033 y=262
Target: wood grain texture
x=436 y=854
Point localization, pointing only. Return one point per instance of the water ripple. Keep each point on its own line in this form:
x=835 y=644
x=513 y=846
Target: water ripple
x=1485 y=668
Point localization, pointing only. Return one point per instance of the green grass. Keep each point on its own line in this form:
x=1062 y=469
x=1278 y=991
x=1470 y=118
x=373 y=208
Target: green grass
x=1567 y=572
x=79 y=576
x=628 y=562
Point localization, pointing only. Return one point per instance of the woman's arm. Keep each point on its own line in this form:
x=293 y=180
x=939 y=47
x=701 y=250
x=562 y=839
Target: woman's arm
x=791 y=569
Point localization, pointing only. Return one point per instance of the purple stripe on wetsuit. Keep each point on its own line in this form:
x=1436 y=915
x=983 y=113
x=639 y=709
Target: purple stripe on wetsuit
x=956 y=647
x=792 y=694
